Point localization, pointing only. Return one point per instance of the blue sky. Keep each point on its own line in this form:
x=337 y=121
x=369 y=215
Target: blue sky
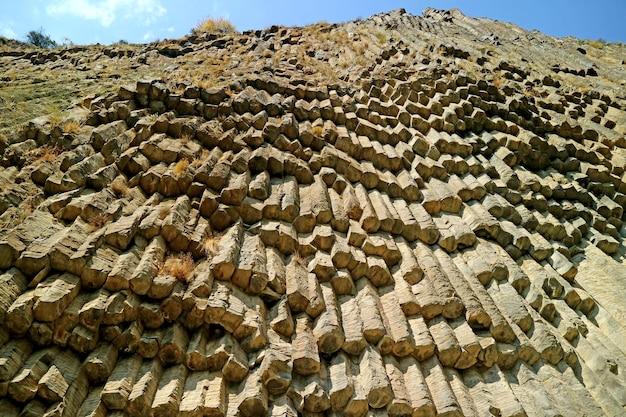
x=138 y=21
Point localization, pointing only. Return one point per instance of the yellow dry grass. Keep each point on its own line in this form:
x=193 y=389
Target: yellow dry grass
x=212 y=245
x=598 y=43
x=70 y=127
x=318 y=130
x=211 y=25
x=181 y=167
x=179 y=266
x=119 y=189
x=163 y=211
x=46 y=153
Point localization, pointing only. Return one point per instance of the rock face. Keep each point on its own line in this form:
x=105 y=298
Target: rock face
x=406 y=245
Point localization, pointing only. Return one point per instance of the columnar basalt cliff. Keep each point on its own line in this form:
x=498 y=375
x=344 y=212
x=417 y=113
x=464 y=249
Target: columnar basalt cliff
x=403 y=216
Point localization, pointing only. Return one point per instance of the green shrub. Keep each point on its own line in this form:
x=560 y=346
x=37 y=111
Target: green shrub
x=39 y=39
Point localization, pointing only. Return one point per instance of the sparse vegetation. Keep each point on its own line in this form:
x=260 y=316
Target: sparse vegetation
x=198 y=161
x=98 y=221
x=211 y=245
x=119 y=189
x=181 y=167
x=151 y=118
x=211 y=25
x=27 y=209
x=16 y=215
x=27 y=93
x=186 y=137
x=55 y=117
x=164 y=210
x=318 y=130
x=46 y=153
x=299 y=259
x=49 y=153
x=598 y=43
x=498 y=80
x=225 y=157
x=179 y=266
x=205 y=83
x=70 y=127
x=386 y=99
x=40 y=39
x=381 y=37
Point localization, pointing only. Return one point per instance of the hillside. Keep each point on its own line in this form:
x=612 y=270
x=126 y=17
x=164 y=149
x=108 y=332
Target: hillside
x=402 y=215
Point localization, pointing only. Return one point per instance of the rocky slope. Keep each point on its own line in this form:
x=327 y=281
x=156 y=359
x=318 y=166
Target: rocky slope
x=398 y=216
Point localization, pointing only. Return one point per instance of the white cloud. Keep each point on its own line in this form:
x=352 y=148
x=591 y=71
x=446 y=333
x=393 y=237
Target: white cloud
x=106 y=11
x=7 y=32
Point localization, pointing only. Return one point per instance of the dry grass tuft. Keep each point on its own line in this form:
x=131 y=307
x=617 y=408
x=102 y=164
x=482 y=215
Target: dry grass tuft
x=225 y=157
x=51 y=152
x=318 y=130
x=46 y=153
x=119 y=189
x=381 y=37
x=210 y=25
x=164 y=210
x=197 y=162
x=151 y=118
x=186 y=137
x=70 y=127
x=498 y=81
x=179 y=266
x=299 y=259
x=98 y=221
x=205 y=84
x=212 y=245
x=181 y=167
x=598 y=43
x=55 y=118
